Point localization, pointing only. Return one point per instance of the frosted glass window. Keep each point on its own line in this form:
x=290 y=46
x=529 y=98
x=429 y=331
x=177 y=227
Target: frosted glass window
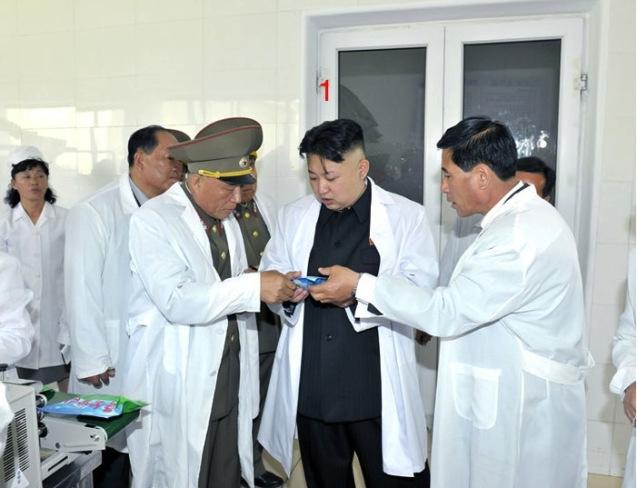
x=384 y=91
x=518 y=84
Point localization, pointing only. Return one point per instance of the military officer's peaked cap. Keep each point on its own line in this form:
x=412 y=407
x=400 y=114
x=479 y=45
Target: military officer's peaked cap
x=179 y=135
x=222 y=149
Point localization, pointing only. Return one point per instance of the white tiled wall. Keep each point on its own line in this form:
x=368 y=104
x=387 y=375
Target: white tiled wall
x=78 y=76
x=608 y=427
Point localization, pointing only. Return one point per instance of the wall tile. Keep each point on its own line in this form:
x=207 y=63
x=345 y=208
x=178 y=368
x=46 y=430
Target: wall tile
x=620 y=90
x=10 y=65
x=47 y=104
x=610 y=274
x=212 y=8
x=600 y=402
x=169 y=48
x=317 y=4
x=604 y=321
x=251 y=93
x=289 y=40
x=168 y=10
x=619 y=447
x=37 y=17
x=171 y=99
x=8 y=18
x=267 y=164
x=94 y=14
x=598 y=446
x=9 y=107
x=106 y=102
x=622 y=19
x=619 y=146
x=47 y=57
x=288 y=96
x=99 y=52
x=614 y=204
x=227 y=48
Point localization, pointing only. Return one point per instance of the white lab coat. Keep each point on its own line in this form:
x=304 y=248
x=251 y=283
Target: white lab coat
x=624 y=361
x=400 y=231
x=460 y=238
x=16 y=331
x=178 y=328
x=97 y=281
x=510 y=405
x=40 y=249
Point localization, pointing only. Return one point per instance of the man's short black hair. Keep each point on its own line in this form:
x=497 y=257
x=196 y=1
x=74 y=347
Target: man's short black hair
x=332 y=139
x=477 y=140
x=144 y=139
x=532 y=164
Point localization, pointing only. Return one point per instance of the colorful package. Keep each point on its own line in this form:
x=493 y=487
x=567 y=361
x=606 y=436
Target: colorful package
x=103 y=406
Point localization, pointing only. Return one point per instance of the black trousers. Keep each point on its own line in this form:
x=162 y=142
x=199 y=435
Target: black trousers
x=266 y=362
x=327 y=451
x=114 y=470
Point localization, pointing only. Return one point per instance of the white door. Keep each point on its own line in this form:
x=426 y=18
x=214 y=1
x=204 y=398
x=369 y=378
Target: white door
x=523 y=72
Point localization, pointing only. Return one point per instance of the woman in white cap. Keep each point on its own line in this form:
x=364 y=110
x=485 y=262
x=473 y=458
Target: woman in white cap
x=33 y=232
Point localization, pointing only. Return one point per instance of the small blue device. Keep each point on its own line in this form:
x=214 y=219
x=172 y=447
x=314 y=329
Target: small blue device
x=307 y=281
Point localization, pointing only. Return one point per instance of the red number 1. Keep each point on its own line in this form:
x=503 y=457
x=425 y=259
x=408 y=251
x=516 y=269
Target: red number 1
x=326 y=90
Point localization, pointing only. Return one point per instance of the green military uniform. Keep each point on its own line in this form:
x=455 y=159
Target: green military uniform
x=255 y=237
x=220 y=459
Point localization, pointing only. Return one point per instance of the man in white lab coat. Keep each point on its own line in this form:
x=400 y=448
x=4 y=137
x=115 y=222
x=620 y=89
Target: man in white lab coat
x=623 y=382
x=348 y=387
x=97 y=274
x=510 y=405
x=193 y=352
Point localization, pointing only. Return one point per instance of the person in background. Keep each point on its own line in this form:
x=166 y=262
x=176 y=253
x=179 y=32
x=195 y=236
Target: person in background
x=346 y=386
x=623 y=382
x=16 y=331
x=255 y=214
x=33 y=232
x=533 y=170
x=97 y=276
x=510 y=404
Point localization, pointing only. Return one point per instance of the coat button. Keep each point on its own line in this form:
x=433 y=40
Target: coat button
x=246 y=215
x=329 y=337
x=223 y=254
x=255 y=233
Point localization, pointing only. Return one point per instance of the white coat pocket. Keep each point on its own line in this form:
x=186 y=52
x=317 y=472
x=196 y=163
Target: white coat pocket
x=475 y=394
x=112 y=338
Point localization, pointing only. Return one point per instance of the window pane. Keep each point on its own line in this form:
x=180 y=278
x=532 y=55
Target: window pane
x=518 y=84
x=384 y=91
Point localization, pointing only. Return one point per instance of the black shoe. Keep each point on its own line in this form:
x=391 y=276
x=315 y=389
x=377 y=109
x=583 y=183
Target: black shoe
x=268 y=480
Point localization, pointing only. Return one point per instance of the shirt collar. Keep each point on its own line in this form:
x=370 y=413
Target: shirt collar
x=505 y=203
x=137 y=193
x=20 y=213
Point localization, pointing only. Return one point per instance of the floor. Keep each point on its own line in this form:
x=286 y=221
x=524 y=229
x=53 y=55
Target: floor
x=297 y=480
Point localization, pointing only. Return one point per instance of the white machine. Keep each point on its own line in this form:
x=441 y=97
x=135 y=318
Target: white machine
x=34 y=461
x=21 y=458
